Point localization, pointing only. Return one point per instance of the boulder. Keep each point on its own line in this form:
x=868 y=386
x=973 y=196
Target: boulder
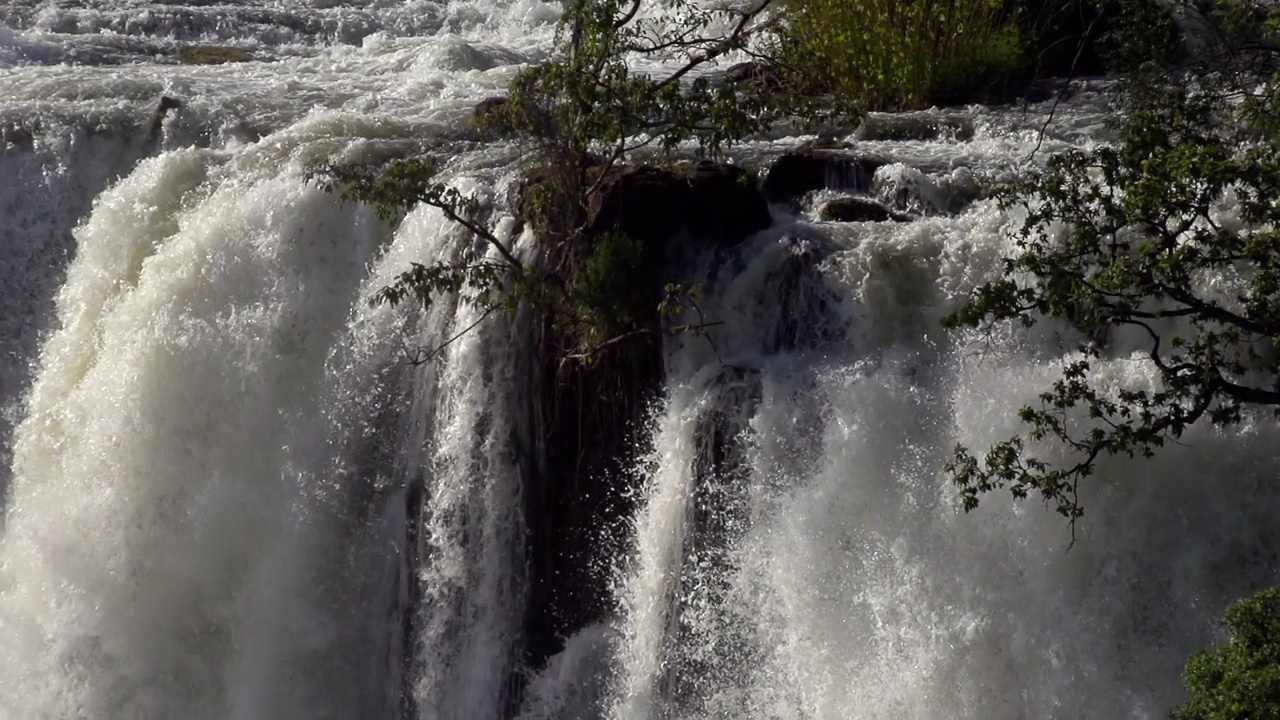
x=796 y=174
x=936 y=192
x=708 y=201
x=212 y=55
x=167 y=104
x=859 y=209
x=487 y=107
x=923 y=126
x=754 y=75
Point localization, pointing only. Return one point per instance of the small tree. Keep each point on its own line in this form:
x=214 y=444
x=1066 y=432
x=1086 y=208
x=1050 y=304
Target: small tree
x=583 y=112
x=1240 y=679
x=1128 y=238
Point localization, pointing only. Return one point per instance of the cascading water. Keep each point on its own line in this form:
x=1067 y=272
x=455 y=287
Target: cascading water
x=850 y=585
x=232 y=494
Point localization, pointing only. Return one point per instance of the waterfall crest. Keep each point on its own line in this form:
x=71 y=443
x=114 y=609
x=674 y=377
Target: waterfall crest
x=231 y=492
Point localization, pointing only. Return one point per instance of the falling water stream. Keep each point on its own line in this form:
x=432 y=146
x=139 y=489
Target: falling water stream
x=212 y=444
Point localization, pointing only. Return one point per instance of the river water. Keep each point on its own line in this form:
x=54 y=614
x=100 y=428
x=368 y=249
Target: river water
x=208 y=431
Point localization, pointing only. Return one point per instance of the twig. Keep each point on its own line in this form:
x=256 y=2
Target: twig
x=417 y=358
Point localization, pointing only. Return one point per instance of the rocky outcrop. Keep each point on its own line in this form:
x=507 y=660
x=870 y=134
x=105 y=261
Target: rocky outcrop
x=794 y=175
x=212 y=55
x=166 y=105
x=487 y=107
x=707 y=201
x=753 y=75
x=859 y=209
x=920 y=127
x=590 y=417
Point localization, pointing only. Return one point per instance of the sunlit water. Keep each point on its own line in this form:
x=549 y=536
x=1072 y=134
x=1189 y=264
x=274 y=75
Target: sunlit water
x=209 y=432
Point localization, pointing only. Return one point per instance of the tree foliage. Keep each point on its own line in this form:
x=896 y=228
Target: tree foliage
x=1169 y=236
x=595 y=97
x=900 y=54
x=583 y=112
x=1240 y=679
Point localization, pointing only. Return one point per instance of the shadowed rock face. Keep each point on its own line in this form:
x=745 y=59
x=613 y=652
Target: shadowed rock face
x=709 y=202
x=589 y=419
x=486 y=108
x=754 y=75
x=858 y=209
x=796 y=174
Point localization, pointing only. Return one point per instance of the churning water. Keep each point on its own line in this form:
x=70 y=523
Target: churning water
x=208 y=433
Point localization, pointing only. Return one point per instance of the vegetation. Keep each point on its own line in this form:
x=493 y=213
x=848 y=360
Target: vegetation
x=1128 y=239
x=1240 y=679
x=587 y=110
x=900 y=54
x=1121 y=240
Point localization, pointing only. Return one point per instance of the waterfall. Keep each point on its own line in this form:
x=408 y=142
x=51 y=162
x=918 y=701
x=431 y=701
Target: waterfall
x=232 y=491
x=851 y=584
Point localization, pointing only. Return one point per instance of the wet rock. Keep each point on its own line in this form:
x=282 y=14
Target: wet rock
x=796 y=174
x=754 y=75
x=489 y=117
x=823 y=143
x=590 y=418
x=17 y=136
x=485 y=117
x=918 y=127
x=708 y=201
x=212 y=55
x=940 y=192
x=487 y=107
x=166 y=104
x=858 y=209
x=804 y=303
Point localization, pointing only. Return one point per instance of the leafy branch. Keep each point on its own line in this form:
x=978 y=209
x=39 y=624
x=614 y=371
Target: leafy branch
x=1140 y=247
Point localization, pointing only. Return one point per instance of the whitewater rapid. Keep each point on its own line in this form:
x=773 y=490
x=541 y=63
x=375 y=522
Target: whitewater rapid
x=229 y=493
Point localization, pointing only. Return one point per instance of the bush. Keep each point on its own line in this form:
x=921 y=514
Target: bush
x=1240 y=679
x=899 y=54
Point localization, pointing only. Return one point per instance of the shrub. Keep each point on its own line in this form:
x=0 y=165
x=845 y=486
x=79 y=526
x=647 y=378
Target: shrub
x=899 y=54
x=1240 y=679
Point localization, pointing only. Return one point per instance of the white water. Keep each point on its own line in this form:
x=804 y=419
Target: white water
x=218 y=446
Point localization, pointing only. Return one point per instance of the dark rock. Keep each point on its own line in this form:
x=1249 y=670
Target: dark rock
x=212 y=55
x=753 y=74
x=858 y=209
x=487 y=107
x=488 y=116
x=166 y=105
x=590 y=418
x=485 y=118
x=589 y=422
x=794 y=175
x=18 y=137
x=823 y=143
x=906 y=127
x=708 y=201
